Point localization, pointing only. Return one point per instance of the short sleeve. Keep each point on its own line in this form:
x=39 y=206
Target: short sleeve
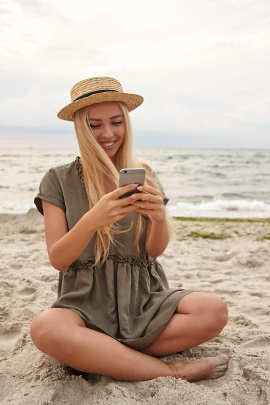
x=156 y=180
x=50 y=190
x=165 y=198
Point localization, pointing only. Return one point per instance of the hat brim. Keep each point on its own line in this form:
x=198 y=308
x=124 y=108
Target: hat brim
x=132 y=101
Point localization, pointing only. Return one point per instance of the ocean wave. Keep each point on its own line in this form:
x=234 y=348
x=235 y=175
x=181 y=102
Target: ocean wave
x=217 y=208
x=199 y=183
x=221 y=209
x=13 y=207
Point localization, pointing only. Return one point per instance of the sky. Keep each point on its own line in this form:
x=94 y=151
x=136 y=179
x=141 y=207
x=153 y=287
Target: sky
x=202 y=67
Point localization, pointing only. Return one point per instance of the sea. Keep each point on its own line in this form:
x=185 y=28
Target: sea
x=200 y=183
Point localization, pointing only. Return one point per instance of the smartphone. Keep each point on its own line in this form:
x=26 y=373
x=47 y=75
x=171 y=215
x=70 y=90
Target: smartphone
x=131 y=176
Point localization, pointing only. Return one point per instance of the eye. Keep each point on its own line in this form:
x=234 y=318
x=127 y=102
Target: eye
x=94 y=126
x=117 y=122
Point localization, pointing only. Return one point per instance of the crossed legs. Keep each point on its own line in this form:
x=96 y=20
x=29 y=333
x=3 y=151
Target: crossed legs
x=198 y=318
x=62 y=334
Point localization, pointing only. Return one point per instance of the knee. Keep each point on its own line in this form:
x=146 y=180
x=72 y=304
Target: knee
x=215 y=314
x=45 y=333
x=40 y=330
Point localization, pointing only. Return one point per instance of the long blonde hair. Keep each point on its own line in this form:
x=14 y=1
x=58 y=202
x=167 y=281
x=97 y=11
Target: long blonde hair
x=97 y=165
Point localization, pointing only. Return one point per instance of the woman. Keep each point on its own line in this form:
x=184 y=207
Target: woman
x=115 y=314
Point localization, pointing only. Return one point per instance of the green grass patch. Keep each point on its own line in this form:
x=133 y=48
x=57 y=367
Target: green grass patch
x=210 y=235
x=237 y=233
x=191 y=219
x=262 y=238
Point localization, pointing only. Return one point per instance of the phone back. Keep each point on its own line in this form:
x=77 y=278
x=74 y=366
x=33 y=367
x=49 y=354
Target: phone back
x=131 y=176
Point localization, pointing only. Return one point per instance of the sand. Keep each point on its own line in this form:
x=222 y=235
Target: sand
x=235 y=268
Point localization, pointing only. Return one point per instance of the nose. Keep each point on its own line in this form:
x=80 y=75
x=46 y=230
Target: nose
x=107 y=132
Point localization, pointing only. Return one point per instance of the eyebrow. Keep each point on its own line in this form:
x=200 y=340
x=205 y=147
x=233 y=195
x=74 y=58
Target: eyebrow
x=111 y=118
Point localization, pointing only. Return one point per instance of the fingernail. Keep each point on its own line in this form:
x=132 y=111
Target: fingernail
x=134 y=196
x=134 y=185
x=140 y=188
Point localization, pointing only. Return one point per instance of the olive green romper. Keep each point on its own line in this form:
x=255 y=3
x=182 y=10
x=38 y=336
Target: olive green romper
x=127 y=297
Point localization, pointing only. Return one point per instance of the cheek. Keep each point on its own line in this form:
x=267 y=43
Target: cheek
x=122 y=133
x=96 y=133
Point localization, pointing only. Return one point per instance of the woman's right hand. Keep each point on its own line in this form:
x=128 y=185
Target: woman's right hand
x=110 y=208
x=65 y=246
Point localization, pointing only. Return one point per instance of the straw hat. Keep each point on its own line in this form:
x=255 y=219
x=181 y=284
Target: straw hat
x=97 y=90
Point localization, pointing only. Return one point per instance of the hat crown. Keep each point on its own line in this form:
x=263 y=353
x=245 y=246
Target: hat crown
x=95 y=84
x=97 y=90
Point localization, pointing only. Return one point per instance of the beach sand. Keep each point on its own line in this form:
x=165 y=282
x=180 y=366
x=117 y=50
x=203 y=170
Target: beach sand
x=236 y=268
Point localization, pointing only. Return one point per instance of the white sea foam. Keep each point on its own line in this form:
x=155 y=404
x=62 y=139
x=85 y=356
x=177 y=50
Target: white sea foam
x=199 y=183
x=15 y=207
x=221 y=209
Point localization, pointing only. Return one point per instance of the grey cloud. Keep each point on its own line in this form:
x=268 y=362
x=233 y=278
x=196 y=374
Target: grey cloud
x=200 y=65
x=37 y=7
x=5 y=15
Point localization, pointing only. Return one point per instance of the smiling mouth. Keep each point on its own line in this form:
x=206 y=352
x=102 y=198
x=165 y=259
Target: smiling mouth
x=107 y=145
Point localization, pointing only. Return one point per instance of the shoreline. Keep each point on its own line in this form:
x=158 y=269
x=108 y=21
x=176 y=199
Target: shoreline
x=236 y=268
x=205 y=219
x=176 y=217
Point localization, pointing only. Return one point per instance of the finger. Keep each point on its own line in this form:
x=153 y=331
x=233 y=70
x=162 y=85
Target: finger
x=146 y=205
x=129 y=199
x=157 y=199
x=125 y=189
x=126 y=210
x=149 y=189
x=149 y=213
x=122 y=190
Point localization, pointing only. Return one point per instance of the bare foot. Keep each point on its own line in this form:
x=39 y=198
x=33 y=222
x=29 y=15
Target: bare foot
x=210 y=367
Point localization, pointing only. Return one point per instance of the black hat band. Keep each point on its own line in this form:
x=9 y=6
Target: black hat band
x=93 y=92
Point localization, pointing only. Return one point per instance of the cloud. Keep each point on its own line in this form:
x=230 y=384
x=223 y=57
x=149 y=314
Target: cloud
x=202 y=67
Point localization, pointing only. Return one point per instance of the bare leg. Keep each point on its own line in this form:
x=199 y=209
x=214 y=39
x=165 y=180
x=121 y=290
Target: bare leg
x=198 y=318
x=203 y=369
x=62 y=334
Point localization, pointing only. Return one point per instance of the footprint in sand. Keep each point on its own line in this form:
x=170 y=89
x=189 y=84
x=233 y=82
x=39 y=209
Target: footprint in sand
x=49 y=278
x=4 y=313
x=249 y=262
x=8 y=340
x=255 y=294
x=7 y=289
x=27 y=291
x=243 y=321
x=16 y=266
x=225 y=257
x=21 y=343
x=257 y=376
x=260 y=311
x=259 y=342
x=6 y=285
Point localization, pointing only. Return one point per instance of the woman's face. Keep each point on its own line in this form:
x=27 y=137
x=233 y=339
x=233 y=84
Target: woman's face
x=106 y=120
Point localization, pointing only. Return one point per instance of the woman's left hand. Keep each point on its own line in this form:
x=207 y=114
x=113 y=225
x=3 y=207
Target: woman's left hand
x=150 y=203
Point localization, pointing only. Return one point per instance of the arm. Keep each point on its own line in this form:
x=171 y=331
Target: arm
x=65 y=246
x=157 y=235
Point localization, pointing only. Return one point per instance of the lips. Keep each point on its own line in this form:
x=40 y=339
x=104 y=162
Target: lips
x=107 y=145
